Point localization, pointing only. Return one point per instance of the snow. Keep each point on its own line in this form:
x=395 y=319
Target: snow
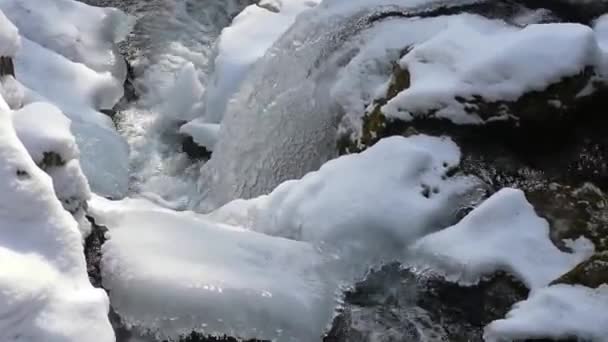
x=84 y=34
x=56 y=136
x=171 y=273
x=495 y=61
x=71 y=63
x=203 y=134
x=45 y=293
x=280 y=258
x=241 y=44
x=502 y=234
x=556 y=312
x=9 y=37
x=356 y=206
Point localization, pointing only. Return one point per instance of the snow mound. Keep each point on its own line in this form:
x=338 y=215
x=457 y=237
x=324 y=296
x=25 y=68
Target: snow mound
x=73 y=64
x=43 y=128
x=45 y=133
x=502 y=234
x=45 y=294
x=85 y=34
x=556 y=312
x=365 y=208
x=494 y=61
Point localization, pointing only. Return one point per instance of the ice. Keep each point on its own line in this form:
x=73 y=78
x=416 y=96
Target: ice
x=242 y=43
x=80 y=92
x=556 y=312
x=45 y=294
x=203 y=134
x=282 y=122
x=502 y=234
x=274 y=263
x=171 y=273
x=496 y=62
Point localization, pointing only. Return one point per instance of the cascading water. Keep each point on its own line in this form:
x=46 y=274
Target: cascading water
x=171 y=44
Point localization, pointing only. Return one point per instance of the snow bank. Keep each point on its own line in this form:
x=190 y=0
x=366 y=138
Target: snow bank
x=170 y=273
x=84 y=34
x=45 y=294
x=45 y=133
x=9 y=37
x=492 y=60
x=71 y=63
x=556 y=312
x=502 y=234
x=240 y=45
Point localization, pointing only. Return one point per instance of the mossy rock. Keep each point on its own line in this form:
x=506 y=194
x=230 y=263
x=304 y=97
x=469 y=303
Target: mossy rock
x=591 y=273
x=573 y=212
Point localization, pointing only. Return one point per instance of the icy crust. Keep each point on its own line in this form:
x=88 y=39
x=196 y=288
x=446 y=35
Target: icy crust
x=502 y=234
x=45 y=294
x=270 y=267
x=171 y=273
x=495 y=61
x=556 y=312
x=71 y=63
x=241 y=44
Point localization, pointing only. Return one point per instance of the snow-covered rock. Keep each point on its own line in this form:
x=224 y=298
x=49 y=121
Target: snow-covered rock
x=283 y=254
x=502 y=234
x=365 y=208
x=72 y=63
x=45 y=294
x=556 y=312
x=45 y=133
x=451 y=77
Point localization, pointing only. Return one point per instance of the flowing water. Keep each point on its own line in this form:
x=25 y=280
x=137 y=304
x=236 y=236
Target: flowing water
x=167 y=36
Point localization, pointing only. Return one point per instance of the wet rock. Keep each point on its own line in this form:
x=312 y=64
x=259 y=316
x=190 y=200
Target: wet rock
x=591 y=273
x=7 y=67
x=195 y=337
x=395 y=304
x=193 y=150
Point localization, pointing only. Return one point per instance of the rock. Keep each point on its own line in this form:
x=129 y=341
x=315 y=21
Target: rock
x=194 y=337
x=395 y=304
x=193 y=150
x=7 y=66
x=591 y=273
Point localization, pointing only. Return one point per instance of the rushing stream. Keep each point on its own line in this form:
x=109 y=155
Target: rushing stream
x=172 y=41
